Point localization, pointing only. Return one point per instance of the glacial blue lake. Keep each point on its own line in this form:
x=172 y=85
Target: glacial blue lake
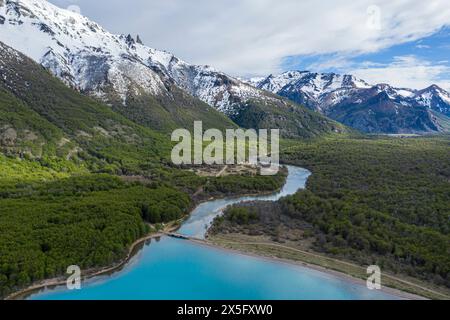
x=176 y=269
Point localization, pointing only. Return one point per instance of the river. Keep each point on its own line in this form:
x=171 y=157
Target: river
x=169 y=268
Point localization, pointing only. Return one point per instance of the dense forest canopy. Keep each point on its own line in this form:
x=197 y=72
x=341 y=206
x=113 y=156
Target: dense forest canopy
x=55 y=213
x=370 y=200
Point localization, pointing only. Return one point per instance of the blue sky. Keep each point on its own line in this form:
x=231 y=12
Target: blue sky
x=431 y=52
x=434 y=48
x=403 y=42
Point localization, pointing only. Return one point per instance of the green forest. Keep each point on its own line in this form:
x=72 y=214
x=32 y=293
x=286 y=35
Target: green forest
x=88 y=221
x=80 y=181
x=50 y=218
x=369 y=200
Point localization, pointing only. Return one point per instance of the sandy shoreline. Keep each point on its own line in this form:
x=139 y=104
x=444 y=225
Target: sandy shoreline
x=51 y=283
x=90 y=274
x=342 y=276
x=55 y=282
x=135 y=248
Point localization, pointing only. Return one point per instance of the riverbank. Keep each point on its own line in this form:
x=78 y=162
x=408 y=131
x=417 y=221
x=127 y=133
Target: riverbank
x=279 y=254
x=135 y=247
x=246 y=245
x=89 y=274
x=402 y=295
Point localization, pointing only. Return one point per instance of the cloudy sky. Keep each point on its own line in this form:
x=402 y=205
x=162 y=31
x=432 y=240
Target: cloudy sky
x=403 y=42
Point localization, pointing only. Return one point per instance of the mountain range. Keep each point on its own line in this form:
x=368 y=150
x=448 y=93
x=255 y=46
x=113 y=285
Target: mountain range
x=85 y=154
x=151 y=87
x=158 y=90
x=369 y=108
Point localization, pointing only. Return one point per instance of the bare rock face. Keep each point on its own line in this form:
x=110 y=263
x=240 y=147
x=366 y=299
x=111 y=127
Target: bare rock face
x=8 y=136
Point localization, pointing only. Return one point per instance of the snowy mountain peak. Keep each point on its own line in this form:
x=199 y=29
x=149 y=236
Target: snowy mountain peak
x=313 y=83
x=324 y=90
x=77 y=50
x=92 y=60
x=436 y=90
x=435 y=98
x=352 y=101
x=119 y=68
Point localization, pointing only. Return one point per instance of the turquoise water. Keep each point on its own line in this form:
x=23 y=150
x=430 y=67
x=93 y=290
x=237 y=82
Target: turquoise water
x=170 y=268
x=204 y=214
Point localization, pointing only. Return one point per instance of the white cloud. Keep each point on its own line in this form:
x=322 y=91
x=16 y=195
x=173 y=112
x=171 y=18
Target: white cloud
x=405 y=71
x=248 y=37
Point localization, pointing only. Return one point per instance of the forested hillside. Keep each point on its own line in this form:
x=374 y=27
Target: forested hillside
x=79 y=182
x=369 y=200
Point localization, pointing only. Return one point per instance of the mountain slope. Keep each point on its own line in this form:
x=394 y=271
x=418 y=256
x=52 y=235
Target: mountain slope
x=60 y=201
x=24 y=132
x=249 y=107
x=150 y=87
x=42 y=117
x=354 y=102
x=102 y=65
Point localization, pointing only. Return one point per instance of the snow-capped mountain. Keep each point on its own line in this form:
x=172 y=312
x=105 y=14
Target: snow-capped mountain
x=90 y=59
x=434 y=98
x=123 y=72
x=76 y=50
x=206 y=83
x=366 y=107
x=312 y=89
